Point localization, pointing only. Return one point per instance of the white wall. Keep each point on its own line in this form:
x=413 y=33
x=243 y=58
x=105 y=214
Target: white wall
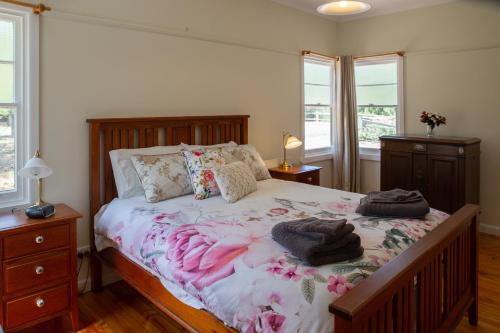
x=160 y=58
x=452 y=67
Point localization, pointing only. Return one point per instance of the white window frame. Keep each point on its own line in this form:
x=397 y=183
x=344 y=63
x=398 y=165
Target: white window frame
x=26 y=78
x=319 y=154
x=373 y=154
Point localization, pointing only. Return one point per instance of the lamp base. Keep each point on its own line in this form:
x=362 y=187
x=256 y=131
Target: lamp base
x=285 y=165
x=40 y=211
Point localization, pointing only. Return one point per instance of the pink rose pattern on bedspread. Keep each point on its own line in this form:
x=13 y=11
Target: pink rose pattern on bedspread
x=229 y=261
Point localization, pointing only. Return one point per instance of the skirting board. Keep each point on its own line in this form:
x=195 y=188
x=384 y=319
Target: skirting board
x=489 y=229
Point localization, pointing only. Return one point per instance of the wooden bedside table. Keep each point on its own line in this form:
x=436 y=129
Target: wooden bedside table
x=306 y=174
x=38 y=268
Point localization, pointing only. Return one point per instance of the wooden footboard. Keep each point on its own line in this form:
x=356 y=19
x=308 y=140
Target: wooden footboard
x=427 y=288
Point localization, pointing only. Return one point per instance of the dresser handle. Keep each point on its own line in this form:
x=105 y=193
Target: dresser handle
x=39 y=270
x=39 y=239
x=40 y=302
x=310 y=179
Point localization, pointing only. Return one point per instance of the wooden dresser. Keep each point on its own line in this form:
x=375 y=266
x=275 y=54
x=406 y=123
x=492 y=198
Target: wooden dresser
x=307 y=174
x=38 y=263
x=444 y=169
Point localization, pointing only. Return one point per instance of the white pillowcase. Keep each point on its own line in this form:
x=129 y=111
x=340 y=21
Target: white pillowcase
x=235 y=180
x=127 y=181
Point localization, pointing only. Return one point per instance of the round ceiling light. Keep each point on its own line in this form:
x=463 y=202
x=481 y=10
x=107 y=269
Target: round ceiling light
x=343 y=7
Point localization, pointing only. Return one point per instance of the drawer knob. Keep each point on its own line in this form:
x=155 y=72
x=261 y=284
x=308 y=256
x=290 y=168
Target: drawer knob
x=40 y=302
x=39 y=270
x=39 y=239
x=310 y=179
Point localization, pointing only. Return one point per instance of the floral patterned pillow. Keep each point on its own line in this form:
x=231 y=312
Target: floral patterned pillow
x=201 y=166
x=235 y=180
x=162 y=176
x=248 y=155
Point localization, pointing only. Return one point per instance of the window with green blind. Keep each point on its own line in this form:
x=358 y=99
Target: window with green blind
x=318 y=105
x=379 y=99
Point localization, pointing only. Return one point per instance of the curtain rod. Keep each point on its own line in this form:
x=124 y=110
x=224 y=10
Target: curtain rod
x=398 y=53
x=307 y=52
x=37 y=9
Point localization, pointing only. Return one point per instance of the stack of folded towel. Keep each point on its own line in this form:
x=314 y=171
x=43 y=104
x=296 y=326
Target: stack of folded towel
x=319 y=242
x=394 y=203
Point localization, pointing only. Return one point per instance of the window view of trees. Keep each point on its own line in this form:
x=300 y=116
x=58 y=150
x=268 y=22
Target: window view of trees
x=375 y=121
x=377 y=100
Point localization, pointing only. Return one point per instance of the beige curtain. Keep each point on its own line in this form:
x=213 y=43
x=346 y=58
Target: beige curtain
x=346 y=163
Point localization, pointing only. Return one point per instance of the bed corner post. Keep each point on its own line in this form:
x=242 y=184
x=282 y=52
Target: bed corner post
x=473 y=309
x=95 y=201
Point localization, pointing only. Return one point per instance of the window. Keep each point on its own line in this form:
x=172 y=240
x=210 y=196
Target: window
x=379 y=99
x=318 y=105
x=18 y=101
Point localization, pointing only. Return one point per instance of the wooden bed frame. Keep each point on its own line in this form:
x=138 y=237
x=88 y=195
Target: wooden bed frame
x=425 y=289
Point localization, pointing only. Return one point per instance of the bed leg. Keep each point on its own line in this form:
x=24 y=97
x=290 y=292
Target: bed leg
x=95 y=273
x=473 y=309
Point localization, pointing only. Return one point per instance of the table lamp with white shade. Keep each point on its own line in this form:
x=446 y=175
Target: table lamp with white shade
x=289 y=142
x=36 y=168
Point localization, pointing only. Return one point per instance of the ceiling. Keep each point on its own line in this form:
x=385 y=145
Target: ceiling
x=379 y=7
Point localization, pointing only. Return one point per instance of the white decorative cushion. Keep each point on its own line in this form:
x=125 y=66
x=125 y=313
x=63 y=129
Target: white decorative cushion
x=127 y=181
x=201 y=166
x=248 y=155
x=162 y=176
x=235 y=180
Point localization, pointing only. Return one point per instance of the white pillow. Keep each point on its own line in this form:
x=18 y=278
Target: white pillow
x=127 y=181
x=235 y=181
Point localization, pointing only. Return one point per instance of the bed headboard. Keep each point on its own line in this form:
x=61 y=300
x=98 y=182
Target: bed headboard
x=115 y=133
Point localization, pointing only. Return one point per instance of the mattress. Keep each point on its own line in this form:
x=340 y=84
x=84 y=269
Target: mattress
x=221 y=257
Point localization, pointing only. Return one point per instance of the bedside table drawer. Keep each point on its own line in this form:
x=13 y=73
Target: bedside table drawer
x=35 y=306
x=311 y=178
x=35 y=241
x=29 y=274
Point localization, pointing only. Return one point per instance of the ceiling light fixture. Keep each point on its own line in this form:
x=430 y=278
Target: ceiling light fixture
x=343 y=7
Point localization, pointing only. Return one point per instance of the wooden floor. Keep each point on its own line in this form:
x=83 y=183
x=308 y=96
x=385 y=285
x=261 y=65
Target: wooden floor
x=124 y=310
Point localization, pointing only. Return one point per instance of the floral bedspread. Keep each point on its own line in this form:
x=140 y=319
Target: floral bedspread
x=223 y=255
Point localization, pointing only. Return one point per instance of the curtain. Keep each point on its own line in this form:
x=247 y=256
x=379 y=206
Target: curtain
x=346 y=163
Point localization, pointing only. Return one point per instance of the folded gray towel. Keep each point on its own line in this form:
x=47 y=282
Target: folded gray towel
x=394 y=196
x=314 y=251
x=339 y=255
x=323 y=231
x=417 y=209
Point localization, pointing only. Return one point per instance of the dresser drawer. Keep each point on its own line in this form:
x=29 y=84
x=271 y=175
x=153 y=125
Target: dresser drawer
x=311 y=178
x=35 y=241
x=36 y=306
x=32 y=273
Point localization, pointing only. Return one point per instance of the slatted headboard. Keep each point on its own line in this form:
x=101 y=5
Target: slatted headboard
x=116 y=133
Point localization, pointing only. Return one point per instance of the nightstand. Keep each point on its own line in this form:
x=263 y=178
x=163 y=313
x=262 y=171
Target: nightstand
x=306 y=174
x=38 y=268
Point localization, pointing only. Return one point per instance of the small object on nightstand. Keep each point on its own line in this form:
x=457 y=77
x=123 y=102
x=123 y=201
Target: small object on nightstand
x=39 y=273
x=307 y=174
x=289 y=142
x=36 y=168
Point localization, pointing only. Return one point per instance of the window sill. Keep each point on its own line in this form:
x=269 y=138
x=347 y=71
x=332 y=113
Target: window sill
x=312 y=158
x=369 y=154
x=10 y=207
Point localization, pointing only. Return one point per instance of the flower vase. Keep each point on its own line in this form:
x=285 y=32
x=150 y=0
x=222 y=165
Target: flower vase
x=430 y=131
